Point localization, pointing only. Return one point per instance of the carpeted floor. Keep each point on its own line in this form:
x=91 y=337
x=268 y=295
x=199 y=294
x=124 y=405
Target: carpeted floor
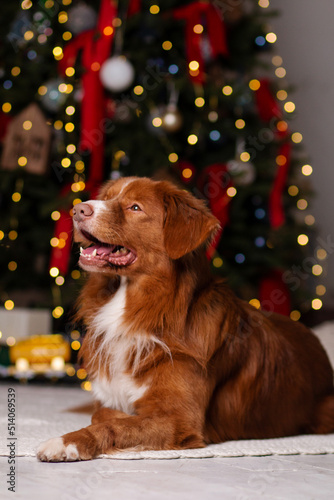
x=45 y=412
x=229 y=471
x=298 y=468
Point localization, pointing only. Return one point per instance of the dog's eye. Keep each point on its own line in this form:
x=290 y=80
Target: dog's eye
x=135 y=208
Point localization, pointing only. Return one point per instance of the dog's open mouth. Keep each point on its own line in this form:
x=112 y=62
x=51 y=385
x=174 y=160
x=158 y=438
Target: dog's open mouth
x=100 y=254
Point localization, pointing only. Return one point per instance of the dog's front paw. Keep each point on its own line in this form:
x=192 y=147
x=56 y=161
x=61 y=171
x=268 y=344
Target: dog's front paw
x=54 y=450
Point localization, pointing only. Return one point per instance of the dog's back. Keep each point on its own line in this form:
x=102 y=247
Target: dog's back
x=283 y=384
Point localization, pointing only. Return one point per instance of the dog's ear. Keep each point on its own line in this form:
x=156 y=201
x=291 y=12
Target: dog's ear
x=188 y=223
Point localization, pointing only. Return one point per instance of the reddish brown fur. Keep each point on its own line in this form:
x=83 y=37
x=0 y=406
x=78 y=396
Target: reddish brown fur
x=235 y=372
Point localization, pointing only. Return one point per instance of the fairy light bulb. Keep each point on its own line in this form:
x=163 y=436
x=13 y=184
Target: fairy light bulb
x=227 y=90
x=317 y=270
x=57 y=312
x=12 y=235
x=62 y=17
x=16 y=197
x=309 y=220
x=58 y=53
x=316 y=304
x=307 y=170
x=240 y=124
x=26 y=4
x=157 y=122
x=6 y=107
x=194 y=65
x=264 y=4
x=55 y=215
x=12 y=265
x=321 y=254
x=138 y=90
x=277 y=61
x=302 y=204
x=22 y=161
x=67 y=35
x=69 y=71
x=16 y=70
x=75 y=345
x=231 y=191
x=282 y=95
x=217 y=262
x=271 y=37
x=289 y=107
x=27 y=125
x=295 y=315
x=69 y=127
x=70 y=148
x=58 y=125
x=9 y=305
x=154 y=9
x=245 y=157
x=54 y=271
x=297 y=137
x=192 y=139
x=173 y=157
x=199 y=102
x=302 y=239
x=70 y=110
x=254 y=84
x=320 y=290
x=187 y=173
x=198 y=29
x=167 y=45
x=280 y=72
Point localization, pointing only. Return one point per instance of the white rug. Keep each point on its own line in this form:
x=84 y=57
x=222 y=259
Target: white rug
x=42 y=414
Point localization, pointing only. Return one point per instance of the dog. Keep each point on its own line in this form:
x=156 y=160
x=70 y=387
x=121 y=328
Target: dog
x=176 y=360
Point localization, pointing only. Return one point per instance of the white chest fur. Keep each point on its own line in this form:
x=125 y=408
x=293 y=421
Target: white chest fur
x=119 y=391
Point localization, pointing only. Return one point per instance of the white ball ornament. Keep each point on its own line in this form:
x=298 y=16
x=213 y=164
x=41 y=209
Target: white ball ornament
x=81 y=18
x=117 y=74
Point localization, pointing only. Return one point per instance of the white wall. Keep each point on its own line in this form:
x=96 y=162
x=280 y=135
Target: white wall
x=306 y=43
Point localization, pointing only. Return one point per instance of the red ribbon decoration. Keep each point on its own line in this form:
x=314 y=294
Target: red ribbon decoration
x=268 y=109
x=5 y=120
x=134 y=7
x=193 y=14
x=214 y=183
x=60 y=257
x=95 y=46
x=274 y=294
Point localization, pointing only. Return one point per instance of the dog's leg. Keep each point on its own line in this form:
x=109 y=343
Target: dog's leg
x=105 y=414
x=121 y=433
x=171 y=416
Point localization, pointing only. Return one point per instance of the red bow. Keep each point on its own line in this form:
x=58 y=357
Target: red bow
x=193 y=14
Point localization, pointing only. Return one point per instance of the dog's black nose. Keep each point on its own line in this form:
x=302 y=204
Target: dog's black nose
x=81 y=211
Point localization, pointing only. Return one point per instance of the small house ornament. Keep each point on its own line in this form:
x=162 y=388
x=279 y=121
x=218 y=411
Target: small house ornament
x=27 y=142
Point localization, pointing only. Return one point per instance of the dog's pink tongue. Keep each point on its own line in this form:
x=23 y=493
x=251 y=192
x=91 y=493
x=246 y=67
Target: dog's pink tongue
x=97 y=250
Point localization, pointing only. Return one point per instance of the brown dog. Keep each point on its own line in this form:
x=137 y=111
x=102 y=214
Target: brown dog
x=175 y=359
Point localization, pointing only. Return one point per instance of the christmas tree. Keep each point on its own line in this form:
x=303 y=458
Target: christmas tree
x=190 y=91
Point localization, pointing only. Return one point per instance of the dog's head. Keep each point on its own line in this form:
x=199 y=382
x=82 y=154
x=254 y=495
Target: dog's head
x=136 y=224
